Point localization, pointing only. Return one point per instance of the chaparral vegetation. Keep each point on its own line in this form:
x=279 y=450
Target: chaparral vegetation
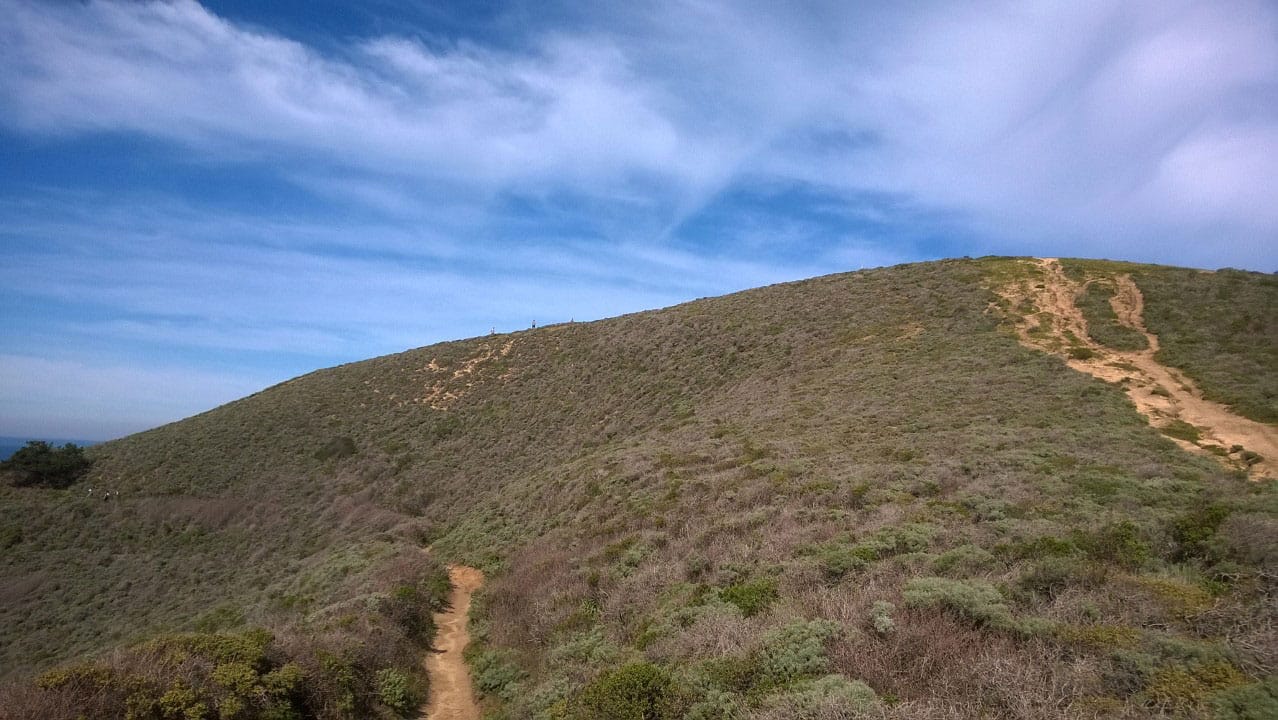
x=882 y=494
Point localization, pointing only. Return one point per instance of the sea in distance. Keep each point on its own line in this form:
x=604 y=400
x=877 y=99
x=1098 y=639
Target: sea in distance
x=10 y=445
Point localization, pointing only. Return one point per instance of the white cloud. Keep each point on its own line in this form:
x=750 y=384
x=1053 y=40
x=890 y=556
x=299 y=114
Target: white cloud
x=1143 y=130
x=1074 y=122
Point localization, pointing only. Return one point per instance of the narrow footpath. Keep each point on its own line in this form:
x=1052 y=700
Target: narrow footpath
x=451 y=695
x=1160 y=393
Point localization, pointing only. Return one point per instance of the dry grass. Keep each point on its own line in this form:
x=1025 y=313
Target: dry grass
x=627 y=482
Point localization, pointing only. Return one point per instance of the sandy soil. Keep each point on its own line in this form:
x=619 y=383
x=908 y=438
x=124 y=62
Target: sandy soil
x=444 y=392
x=1160 y=393
x=451 y=696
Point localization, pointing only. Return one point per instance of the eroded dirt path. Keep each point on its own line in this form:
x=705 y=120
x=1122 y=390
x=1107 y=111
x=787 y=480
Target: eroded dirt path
x=1162 y=394
x=451 y=695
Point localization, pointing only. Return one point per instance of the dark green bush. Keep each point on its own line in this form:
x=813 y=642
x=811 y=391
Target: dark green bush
x=1119 y=543
x=795 y=651
x=1048 y=577
x=363 y=664
x=1044 y=546
x=639 y=691
x=837 y=559
x=1195 y=533
x=731 y=673
x=193 y=677
x=336 y=449
x=409 y=607
x=40 y=464
x=752 y=597
x=393 y=689
x=1081 y=352
x=494 y=671
x=1254 y=701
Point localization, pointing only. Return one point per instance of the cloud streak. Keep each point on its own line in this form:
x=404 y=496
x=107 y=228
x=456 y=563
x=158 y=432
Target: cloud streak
x=1125 y=119
x=404 y=188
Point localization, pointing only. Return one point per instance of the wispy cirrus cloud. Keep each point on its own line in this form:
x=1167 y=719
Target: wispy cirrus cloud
x=250 y=202
x=1127 y=119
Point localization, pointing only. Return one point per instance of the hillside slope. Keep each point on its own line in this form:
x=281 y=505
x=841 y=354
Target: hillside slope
x=854 y=494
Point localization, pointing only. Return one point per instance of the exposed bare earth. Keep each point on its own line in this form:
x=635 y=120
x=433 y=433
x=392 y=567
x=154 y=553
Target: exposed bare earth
x=451 y=696
x=1162 y=394
x=448 y=387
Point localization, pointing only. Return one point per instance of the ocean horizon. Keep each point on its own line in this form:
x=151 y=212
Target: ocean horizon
x=10 y=445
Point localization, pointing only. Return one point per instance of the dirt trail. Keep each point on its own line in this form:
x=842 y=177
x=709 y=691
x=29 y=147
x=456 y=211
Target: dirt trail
x=1162 y=394
x=451 y=696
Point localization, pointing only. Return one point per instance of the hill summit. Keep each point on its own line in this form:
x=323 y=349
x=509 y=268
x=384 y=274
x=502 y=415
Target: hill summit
x=970 y=488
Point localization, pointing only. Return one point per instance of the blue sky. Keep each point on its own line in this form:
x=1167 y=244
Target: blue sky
x=200 y=200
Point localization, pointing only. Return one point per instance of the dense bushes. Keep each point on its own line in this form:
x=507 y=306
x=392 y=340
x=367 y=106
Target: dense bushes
x=361 y=661
x=193 y=677
x=752 y=597
x=886 y=430
x=969 y=599
x=242 y=676
x=40 y=464
x=639 y=691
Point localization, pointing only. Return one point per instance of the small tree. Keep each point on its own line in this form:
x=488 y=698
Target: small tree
x=39 y=463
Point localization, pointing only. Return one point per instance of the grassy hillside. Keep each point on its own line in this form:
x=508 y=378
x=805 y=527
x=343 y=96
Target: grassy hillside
x=853 y=494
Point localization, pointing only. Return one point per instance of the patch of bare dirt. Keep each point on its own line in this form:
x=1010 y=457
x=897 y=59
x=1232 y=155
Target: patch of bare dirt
x=1048 y=319
x=445 y=391
x=451 y=695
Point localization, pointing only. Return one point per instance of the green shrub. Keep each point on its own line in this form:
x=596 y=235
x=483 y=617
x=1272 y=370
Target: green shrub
x=731 y=673
x=970 y=599
x=40 y=464
x=829 y=696
x=795 y=651
x=10 y=535
x=1081 y=352
x=639 y=691
x=393 y=691
x=1254 y=701
x=1119 y=543
x=716 y=705
x=1182 y=688
x=410 y=608
x=336 y=449
x=752 y=597
x=837 y=559
x=964 y=558
x=1195 y=533
x=1048 y=577
x=1040 y=547
x=194 y=676
x=881 y=618
x=494 y=672
x=244 y=648
x=1102 y=638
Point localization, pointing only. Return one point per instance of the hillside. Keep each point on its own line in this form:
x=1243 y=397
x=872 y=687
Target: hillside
x=893 y=493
